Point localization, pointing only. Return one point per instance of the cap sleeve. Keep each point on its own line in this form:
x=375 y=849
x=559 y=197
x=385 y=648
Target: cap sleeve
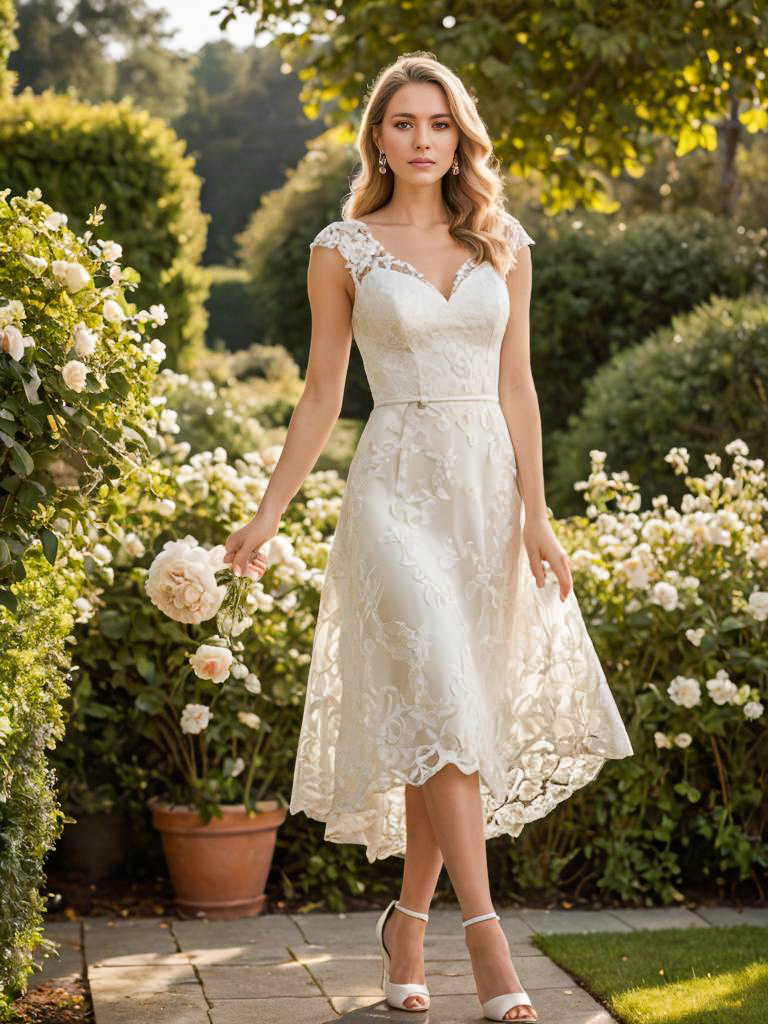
x=350 y=240
x=516 y=234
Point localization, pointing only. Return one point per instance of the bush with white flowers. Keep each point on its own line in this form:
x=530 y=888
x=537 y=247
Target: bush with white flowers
x=75 y=376
x=204 y=671
x=676 y=600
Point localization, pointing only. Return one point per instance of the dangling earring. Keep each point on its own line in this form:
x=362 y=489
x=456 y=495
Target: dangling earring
x=382 y=162
x=455 y=164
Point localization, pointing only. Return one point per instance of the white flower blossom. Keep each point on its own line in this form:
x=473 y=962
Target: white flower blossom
x=685 y=691
x=683 y=739
x=249 y=718
x=195 y=718
x=74 y=374
x=211 y=662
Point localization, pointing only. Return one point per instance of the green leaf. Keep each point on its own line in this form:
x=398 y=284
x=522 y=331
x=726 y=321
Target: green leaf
x=150 y=702
x=50 y=544
x=10 y=601
x=21 y=460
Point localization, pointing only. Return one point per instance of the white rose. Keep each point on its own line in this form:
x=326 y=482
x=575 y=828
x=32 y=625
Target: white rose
x=209 y=662
x=111 y=250
x=665 y=595
x=239 y=670
x=249 y=718
x=237 y=767
x=661 y=740
x=76 y=277
x=102 y=553
x=757 y=606
x=685 y=691
x=55 y=220
x=12 y=342
x=84 y=340
x=169 y=421
x=59 y=269
x=181 y=582
x=112 y=312
x=753 y=709
x=166 y=507
x=252 y=683
x=155 y=349
x=133 y=545
x=74 y=373
x=695 y=636
x=158 y=314
x=683 y=739
x=195 y=718
x=721 y=689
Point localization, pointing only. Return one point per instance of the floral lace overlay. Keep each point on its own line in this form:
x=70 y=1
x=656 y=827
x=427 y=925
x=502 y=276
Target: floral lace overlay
x=433 y=644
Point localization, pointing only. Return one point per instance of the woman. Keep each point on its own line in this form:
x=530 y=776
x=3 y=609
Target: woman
x=454 y=693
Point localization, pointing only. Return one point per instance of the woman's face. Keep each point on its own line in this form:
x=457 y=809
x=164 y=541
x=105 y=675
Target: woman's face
x=417 y=126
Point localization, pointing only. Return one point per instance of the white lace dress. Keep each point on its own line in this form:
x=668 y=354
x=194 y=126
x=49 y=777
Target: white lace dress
x=433 y=644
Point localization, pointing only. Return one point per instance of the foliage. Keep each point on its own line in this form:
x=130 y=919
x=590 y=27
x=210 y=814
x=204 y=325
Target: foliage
x=696 y=382
x=245 y=410
x=75 y=378
x=676 y=601
x=573 y=93
x=135 y=165
x=32 y=686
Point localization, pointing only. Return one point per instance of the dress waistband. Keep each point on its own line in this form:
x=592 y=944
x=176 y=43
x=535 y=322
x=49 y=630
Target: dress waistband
x=424 y=400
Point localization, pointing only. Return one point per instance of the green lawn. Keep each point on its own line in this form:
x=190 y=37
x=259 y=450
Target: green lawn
x=671 y=975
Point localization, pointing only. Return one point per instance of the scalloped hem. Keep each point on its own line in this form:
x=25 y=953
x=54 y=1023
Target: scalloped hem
x=379 y=824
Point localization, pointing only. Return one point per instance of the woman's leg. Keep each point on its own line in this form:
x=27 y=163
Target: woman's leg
x=403 y=934
x=456 y=813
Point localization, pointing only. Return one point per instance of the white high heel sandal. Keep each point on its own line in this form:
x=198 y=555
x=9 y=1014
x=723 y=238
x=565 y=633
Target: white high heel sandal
x=395 y=994
x=495 y=1008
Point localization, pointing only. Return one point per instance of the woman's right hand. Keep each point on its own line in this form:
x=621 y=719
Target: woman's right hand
x=243 y=547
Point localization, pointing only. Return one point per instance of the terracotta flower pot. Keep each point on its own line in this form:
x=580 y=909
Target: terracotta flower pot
x=218 y=870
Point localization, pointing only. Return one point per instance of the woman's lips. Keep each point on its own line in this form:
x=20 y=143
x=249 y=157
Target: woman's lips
x=422 y=163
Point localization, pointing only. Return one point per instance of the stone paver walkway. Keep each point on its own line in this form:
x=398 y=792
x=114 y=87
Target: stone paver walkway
x=317 y=968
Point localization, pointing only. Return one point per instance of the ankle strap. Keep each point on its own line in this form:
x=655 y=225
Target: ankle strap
x=412 y=913
x=481 y=917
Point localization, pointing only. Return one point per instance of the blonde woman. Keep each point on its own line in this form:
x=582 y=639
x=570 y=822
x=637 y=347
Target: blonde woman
x=453 y=693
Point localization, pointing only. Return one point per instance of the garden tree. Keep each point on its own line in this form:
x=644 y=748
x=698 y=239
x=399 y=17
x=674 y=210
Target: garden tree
x=575 y=92
x=70 y=47
x=245 y=125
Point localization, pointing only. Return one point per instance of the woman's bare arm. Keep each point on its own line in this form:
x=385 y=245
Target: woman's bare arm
x=331 y=294
x=520 y=405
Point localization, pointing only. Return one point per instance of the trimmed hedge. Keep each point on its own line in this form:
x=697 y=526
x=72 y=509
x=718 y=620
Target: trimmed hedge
x=81 y=155
x=697 y=383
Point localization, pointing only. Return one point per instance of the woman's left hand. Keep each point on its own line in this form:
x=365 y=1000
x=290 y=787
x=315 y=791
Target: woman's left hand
x=542 y=544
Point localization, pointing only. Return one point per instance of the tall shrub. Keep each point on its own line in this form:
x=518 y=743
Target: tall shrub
x=82 y=155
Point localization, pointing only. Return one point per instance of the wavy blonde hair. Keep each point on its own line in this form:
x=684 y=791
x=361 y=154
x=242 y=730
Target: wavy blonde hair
x=474 y=197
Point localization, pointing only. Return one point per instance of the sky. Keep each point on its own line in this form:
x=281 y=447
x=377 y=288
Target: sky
x=192 y=19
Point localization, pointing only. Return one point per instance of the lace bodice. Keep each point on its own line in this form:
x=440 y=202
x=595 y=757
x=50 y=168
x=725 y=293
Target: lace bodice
x=412 y=339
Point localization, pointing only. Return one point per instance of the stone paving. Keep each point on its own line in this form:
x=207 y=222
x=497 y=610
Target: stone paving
x=317 y=968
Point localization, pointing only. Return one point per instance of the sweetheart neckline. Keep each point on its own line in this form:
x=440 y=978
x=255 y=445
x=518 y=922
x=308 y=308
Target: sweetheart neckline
x=383 y=251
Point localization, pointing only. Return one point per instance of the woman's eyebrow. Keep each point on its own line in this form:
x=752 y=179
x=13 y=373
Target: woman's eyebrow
x=406 y=114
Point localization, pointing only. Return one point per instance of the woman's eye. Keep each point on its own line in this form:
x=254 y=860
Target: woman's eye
x=437 y=124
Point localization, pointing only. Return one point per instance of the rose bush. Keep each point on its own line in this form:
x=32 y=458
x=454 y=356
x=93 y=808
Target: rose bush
x=72 y=429
x=198 y=718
